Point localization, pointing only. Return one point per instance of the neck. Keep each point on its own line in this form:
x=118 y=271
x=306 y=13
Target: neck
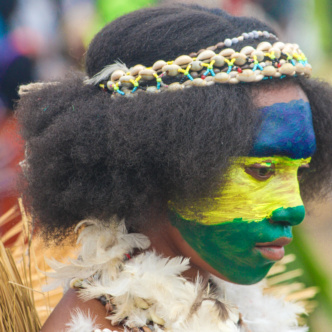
x=166 y=240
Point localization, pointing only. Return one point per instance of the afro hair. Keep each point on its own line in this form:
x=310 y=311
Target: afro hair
x=89 y=155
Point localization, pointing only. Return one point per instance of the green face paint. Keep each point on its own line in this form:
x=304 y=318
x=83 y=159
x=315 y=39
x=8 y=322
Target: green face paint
x=259 y=204
x=230 y=247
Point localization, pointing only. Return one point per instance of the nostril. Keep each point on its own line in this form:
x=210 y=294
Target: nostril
x=288 y=216
x=280 y=222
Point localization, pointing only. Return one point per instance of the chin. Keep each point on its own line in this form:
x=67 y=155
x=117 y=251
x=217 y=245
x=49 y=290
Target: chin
x=244 y=276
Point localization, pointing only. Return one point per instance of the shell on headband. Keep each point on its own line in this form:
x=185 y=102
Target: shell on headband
x=213 y=65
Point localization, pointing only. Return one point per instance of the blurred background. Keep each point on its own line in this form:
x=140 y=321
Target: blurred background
x=42 y=40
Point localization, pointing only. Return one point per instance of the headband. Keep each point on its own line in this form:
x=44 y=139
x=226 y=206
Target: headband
x=216 y=64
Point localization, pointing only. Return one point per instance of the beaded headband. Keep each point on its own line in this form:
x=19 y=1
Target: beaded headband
x=213 y=65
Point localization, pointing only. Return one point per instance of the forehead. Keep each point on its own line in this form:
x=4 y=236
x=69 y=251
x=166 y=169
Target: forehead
x=286 y=130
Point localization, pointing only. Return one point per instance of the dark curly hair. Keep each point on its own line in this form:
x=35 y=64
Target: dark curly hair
x=92 y=156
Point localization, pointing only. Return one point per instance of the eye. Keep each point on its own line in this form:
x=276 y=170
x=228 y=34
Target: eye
x=260 y=172
x=302 y=170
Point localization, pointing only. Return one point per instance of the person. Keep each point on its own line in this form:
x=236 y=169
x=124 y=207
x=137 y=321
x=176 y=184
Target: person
x=179 y=159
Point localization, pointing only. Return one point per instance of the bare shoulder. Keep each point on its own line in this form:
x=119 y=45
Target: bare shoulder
x=72 y=306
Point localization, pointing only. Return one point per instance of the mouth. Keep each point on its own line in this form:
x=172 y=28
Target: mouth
x=274 y=250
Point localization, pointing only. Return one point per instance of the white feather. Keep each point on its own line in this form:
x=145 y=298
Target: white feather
x=206 y=319
x=262 y=312
x=103 y=249
x=81 y=322
x=106 y=73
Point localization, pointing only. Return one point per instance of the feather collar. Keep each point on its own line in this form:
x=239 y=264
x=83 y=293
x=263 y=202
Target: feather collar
x=149 y=290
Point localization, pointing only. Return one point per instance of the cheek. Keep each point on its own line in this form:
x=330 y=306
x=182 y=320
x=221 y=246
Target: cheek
x=229 y=248
x=247 y=199
x=253 y=200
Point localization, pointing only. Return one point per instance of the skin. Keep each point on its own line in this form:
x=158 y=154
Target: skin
x=261 y=199
x=170 y=239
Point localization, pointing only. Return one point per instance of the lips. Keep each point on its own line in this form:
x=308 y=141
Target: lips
x=274 y=250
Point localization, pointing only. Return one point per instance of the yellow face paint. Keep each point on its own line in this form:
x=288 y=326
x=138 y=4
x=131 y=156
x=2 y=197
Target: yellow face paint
x=246 y=197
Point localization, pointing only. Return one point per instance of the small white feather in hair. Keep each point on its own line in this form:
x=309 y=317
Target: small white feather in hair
x=106 y=73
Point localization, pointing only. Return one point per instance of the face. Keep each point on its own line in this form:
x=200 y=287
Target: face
x=242 y=232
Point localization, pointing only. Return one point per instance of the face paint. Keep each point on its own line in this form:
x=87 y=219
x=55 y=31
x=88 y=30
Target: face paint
x=286 y=130
x=245 y=197
x=258 y=205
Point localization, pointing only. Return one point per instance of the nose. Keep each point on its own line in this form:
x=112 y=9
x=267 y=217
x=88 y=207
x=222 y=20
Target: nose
x=290 y=216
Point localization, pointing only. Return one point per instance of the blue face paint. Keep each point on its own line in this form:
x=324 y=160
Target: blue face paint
x=286 y=130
